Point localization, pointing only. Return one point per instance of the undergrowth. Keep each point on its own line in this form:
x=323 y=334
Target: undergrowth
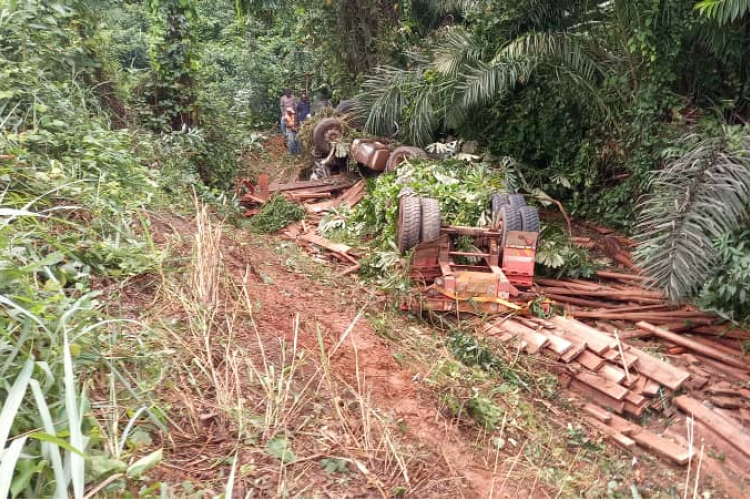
x=276 y=214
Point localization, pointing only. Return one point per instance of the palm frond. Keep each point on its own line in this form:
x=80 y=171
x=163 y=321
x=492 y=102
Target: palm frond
x=384 y=98
x=485 y=81
x=455 y=50
x=701 y=194
x=724 y=11
x=561 y=47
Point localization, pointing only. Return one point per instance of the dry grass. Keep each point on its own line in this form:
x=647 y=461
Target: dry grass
x=231 y=389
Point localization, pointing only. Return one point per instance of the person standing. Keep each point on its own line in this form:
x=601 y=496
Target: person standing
x=287 y=100
x=303 y=108
x=291 y=126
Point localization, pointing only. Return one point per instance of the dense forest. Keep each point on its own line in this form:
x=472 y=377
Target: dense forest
x=631 y=113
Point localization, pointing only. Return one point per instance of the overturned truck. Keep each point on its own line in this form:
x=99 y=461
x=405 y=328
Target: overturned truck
x=375 y=155
x=480 y=281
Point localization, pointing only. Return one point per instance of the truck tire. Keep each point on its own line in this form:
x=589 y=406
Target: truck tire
x=408 y=226
x=497 y=200
x=346 y=106
x=529 y=218
x=517 y=200
x=326 y=131
x=510 y=220
x=430 y=219
x=401 y=154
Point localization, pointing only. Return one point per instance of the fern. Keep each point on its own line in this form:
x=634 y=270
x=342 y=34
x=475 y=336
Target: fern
x=701 y=194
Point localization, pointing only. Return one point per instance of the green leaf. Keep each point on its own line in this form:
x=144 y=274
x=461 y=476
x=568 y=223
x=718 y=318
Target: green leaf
x=279 y=448
x=43 y=436
x=100 y=465
x=25 y=469
x=144 y=464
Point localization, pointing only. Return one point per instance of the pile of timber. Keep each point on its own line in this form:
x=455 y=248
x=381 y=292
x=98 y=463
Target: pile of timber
x=302 y=191
x=624 y=300
x=619 y=379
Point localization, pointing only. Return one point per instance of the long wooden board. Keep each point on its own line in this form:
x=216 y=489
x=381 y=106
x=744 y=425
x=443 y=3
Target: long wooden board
x=693 y=345
x=737 y=436
x=656 y=369
x=659 y=445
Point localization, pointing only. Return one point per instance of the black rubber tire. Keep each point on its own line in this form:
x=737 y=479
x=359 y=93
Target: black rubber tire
x=323 y=131
x=510 y=219
x=497 y=200
x=346 y=106
x=430 y=219
x=529 y=218
x=400 y=154
x=409 y=225
x=517 y=200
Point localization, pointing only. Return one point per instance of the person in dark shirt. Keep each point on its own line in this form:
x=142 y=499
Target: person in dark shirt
x=303 y=108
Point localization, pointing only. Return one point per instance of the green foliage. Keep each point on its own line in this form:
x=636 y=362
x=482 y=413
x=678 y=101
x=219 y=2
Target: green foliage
x=276 y=214
x=473 y=353
x=463 y=191
x=701 y=194
x=729 y=288
x=724 y=11
x=173 y=61
x=557 y=256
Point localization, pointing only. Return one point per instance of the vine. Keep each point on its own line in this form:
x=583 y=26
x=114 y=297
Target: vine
x=174 y=62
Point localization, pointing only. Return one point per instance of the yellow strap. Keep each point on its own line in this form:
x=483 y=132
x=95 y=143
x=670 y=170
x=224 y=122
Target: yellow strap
x=494 y=300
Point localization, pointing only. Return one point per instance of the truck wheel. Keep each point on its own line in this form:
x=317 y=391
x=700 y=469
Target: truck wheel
x=510 y=220
x=497 y=200
x=326 y=131
x=409 y=222
x=345 y=106
x=517 y=200
x=430 y=219
x=402 y=154
x=529 y=218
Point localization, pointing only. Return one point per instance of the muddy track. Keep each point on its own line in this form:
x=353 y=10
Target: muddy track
x=284 y=294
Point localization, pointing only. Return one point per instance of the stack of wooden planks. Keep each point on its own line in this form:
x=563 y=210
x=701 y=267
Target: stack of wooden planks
x=615 y=376
x=620 y=380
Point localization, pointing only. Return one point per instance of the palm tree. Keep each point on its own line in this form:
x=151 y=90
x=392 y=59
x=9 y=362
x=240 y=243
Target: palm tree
x=459 y=73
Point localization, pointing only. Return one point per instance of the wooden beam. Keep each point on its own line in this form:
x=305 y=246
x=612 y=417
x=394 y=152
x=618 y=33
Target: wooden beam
x=693 y=345
x=736 y=435
x=649 y=440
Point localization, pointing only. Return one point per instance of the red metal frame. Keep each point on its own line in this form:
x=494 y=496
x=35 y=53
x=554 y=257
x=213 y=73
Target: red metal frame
x=477 y=287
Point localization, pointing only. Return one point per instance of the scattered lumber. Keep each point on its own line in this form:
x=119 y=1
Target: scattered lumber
x=659 y=445
x=596 y=341
x=620 y=276
x=351 y=197
x=735 y=434
x=597 y=396
x=693 y=345
x=590 y=360
x=665 y=374
x=725 y=402
x=722 y=331
x=599 y=413
x=534 y=339
x=619 y=438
